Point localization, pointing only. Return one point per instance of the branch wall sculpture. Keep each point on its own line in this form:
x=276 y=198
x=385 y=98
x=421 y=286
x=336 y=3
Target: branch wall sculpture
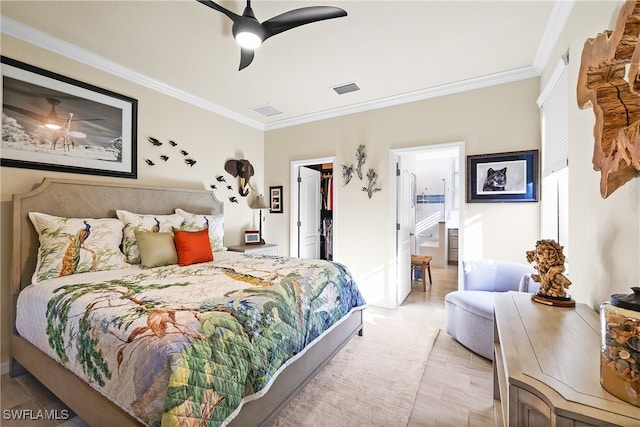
x=603 y=83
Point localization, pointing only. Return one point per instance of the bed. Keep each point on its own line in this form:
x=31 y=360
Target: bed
x=218 y=328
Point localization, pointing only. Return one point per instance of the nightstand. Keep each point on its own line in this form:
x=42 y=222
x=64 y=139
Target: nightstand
x=266 y=249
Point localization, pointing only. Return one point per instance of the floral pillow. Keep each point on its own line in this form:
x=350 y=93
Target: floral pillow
x=76 y=245
x=215 y=223
x=137 y=222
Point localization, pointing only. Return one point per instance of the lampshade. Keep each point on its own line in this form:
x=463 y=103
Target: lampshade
x=259 y=203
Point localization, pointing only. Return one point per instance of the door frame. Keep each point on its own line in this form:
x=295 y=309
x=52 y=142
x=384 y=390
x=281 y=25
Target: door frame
x=401 y=174
x=293 y=224
x=393 y=208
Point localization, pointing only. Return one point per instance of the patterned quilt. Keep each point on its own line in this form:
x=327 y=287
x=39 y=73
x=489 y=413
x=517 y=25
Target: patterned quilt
x=178 y=346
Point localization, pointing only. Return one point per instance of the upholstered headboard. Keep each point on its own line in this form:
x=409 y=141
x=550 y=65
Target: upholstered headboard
x=88 y=199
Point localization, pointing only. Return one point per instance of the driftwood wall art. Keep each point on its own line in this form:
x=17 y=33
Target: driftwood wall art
x=609 y=82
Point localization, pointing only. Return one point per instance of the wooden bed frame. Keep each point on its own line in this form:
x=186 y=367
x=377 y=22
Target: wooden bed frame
x=74 y=198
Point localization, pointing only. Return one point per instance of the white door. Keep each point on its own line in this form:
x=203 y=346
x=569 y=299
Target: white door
x=309 y=205
x=404 y=228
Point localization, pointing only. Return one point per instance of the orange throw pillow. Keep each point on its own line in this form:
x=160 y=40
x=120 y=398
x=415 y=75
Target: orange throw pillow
x=192 y=246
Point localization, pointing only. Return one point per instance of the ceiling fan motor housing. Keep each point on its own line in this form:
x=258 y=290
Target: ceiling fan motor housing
x=248 y=25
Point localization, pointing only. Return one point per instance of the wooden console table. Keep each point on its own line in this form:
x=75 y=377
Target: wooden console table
x=547 y=367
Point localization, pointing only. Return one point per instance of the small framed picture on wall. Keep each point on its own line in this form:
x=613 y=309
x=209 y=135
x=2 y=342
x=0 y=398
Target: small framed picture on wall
x=275 y=199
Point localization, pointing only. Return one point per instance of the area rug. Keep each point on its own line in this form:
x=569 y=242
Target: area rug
x=372 y=381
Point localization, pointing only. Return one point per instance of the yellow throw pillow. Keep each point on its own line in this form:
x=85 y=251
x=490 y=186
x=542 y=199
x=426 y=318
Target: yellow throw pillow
x=156 y=249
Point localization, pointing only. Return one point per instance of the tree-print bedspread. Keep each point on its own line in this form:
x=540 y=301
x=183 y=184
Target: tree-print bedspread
x=182 y=346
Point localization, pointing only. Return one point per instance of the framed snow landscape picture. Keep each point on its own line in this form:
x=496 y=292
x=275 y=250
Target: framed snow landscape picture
x=53 y=122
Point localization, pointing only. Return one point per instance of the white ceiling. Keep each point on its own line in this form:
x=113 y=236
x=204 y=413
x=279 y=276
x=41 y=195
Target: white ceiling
x=396 y=51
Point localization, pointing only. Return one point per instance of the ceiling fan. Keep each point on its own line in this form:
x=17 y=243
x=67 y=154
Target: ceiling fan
x=52 y=120
x=249 y=33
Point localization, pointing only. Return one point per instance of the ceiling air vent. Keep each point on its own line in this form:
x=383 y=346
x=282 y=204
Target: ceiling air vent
x=267 y=110
x=346 y=88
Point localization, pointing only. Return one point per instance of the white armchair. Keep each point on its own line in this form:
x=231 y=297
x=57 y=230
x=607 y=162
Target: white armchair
x=470 y=312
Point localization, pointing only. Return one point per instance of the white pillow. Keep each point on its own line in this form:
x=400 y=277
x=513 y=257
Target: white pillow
x=76 y=245
x=140 y=222
x=193 y=222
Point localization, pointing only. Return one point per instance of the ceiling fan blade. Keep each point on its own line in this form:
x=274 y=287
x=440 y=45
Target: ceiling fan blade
x=246 y=56
x=297 y=17
x=233 y=16
x=36 y=116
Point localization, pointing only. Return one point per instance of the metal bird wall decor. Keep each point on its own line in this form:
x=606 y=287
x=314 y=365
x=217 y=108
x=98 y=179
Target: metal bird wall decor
x=247 y=25
x=347 y=173
x=361 y=157
x=157 y=143
x=371 y=188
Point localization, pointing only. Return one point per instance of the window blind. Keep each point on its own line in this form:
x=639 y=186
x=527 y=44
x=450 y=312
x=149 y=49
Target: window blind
x=554 y=103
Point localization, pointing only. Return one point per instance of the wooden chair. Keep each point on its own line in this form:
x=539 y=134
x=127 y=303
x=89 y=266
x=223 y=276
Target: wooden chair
x=421 y=262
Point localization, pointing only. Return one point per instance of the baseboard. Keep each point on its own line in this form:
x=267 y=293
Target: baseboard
x=4 y=368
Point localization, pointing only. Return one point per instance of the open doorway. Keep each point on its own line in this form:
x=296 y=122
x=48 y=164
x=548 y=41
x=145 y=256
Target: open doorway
x=428 y=201
x=313 y=208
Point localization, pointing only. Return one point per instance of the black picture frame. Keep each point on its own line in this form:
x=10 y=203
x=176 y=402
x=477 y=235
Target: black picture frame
x=53 y=122
x=519 y=168
x=275 y=199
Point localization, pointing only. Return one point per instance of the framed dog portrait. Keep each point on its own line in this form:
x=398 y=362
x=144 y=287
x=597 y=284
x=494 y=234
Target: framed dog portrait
x=503 y=177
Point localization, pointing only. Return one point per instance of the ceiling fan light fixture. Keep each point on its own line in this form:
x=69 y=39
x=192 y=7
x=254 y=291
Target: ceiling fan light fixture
x=248 y=40
x=250 y=33
x=53 y=121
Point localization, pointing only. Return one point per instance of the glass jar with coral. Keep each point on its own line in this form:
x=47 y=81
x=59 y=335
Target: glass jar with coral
x=620 y=358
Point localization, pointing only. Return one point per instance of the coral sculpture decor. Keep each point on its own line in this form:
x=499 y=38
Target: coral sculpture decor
x=549 y=260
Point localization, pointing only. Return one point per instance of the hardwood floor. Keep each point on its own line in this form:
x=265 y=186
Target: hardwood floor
x=456 y=387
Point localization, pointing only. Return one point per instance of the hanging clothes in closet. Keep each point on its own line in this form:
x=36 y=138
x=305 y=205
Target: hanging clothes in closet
x=326 y=235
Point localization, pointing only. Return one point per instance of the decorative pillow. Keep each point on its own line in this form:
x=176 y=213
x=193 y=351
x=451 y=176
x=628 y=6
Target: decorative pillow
x=76 y=245
x=156 y=249
x=215 y=223
x=134 y=221
x=192 y=246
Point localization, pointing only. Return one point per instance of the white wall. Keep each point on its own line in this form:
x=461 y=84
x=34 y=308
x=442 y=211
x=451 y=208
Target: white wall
x=492 y=120
x=203 y=134
x=604 y=234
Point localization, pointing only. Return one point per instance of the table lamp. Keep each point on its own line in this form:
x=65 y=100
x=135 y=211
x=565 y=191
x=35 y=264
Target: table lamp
x=260 y=203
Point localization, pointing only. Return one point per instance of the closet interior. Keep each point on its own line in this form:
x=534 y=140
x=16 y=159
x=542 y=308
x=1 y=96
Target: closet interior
x=326 y=211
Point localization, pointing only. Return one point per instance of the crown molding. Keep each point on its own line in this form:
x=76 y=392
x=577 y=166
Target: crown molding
x=555 y=25
x=46 y=41
x=557 y=20
x=420 y=95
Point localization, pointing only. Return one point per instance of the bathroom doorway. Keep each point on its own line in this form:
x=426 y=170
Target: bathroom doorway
x=436 y=176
